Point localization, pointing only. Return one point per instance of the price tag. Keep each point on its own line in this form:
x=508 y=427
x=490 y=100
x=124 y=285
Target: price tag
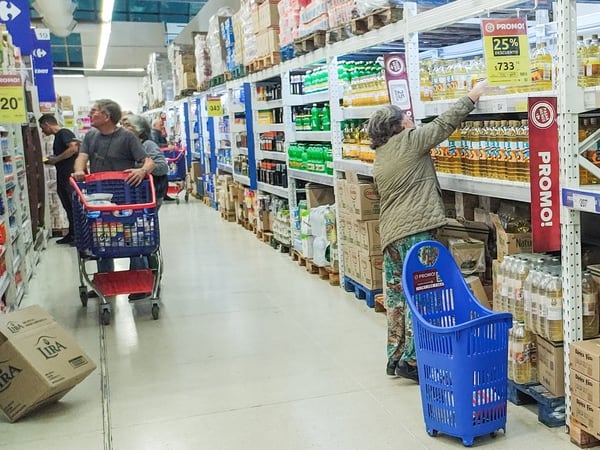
x=583 y=202
x=214 y=106
x=501 y=106
x=12 y=101
x=506 y=50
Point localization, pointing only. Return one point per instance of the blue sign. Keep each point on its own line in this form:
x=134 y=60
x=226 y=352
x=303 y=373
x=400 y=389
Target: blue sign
x=15 y=15
x=43 y=72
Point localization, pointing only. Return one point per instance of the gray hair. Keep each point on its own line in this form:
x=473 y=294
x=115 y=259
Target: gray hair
x=111 y=108
x=383 y=124
x=140 y=125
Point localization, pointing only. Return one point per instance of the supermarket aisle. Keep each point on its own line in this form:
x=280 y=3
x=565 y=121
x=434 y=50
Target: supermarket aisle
x=250 y=352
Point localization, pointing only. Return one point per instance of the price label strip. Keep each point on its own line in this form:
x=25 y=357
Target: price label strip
x=506 y=50
x=12 y=100
x=214 y=106
x=583 y=202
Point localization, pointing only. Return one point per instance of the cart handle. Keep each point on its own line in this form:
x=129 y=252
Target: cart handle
x=114 y=175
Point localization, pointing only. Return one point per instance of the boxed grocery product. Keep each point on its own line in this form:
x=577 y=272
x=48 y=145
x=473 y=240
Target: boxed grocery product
x=370 y=270
x=585 y=388
x=267 y=41
x=39 y=362
x=367 y=236
x=586 y=414
x=468 y=253
x=351 y=261
x=474 y=283
x=510 y=243
x=551 y=366
x=268 y=15
x=363 y=199
x=340 y=188
x=317 y=195
x=585 y=358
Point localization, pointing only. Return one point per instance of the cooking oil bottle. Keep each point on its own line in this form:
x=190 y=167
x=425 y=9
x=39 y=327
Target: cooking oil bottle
x=454 y=145
x=581 y=61
x=462 y=79
x=583 y=133
x=521 y=362
x=590 y=305
x=541 y=72
x=554 y=316
x=504 y=150
x=523 y=151
x=464 y=148
x=592 y=154
x=492 y=150
x=541 y=325
x=511 y=344
x=483 y=148
x=475 y=149
x=536 y=298
x=592 y=67
x=521 y=272
x=510 y=150
x=528 y=291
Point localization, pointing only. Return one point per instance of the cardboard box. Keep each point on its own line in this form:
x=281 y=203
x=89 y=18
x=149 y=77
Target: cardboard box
x=585 y=358
x=510 y=243
x=371 y=270
x=468 y=253
x=367 y=236
x=551 y=366
x=351 y=261
x=268 y=15
x=586 y=414
x=39 y=362
x=340 y=193
x=364 y=202
x=263 y=222
x=267 y=42
x=585 y=388
x=464 y=229
x=317 y=194
x=478 y=290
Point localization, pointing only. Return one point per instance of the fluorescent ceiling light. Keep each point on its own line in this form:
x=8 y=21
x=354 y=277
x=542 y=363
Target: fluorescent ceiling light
x=103 y=45
x=92 y=69
x=107 y=10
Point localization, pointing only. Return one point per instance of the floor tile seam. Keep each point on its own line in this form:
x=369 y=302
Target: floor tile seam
x=105 y=391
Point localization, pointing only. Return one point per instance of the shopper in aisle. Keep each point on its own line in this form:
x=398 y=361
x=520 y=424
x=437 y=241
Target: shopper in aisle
x=108 y=147
x=139 y=126
x=64 y=149
x=158 y=136
x=411 y=206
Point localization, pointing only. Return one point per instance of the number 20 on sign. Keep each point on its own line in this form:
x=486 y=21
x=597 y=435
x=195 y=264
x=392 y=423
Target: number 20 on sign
x=12 y=103
x=506 y=50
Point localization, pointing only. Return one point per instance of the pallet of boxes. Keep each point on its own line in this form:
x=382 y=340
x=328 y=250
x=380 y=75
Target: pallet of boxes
x=265 y=22
x=183 y=62
x=359 y=205
x=224 y=197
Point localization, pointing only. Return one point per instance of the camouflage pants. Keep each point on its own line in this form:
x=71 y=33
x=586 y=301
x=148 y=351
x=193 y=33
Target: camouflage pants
x=400 y=344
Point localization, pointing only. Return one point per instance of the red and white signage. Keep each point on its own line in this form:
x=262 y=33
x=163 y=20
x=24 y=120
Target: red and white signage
x=396 y=77
x=544 y=171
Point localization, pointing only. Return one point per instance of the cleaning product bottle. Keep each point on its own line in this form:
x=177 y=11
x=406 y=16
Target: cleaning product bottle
x=325 y=118
x=315 y=121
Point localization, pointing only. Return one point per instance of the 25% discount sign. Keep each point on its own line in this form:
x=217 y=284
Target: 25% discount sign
x=214 y=106
x=12 y=101
x=506 y=49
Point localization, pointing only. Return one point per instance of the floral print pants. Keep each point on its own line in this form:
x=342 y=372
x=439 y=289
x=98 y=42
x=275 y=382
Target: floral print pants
x=400 y=344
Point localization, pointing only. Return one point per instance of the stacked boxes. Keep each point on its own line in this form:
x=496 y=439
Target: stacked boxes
x=158 y=79
x=203 y=67
x=226 y=201
x=359 y=229
x=585 y=384
x=266 y=26
x=340 y=12
x=238 y=38
x=216 y=45
x=248 y=28
x=183 y=61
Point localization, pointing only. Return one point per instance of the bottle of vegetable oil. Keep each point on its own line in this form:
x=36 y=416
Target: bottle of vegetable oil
x=592 y=67
x=554 y=316
x=523 y=151
x=590 y=305
x=542 y=64
x=581 y=61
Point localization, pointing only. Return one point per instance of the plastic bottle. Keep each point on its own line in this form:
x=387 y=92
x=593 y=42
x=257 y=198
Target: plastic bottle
x=328 y=160
x=592 y=68
x=474 y=148
x=452 y=159
x=542 y=71
x=315 y=121
x=521 y=274
x=590 y=305
x=554 y=313
x=527 y=285
x=544 y=301
x=507 y=282
x=511 y=342
x=536 y=299
x=425 y=88
x=581 y=61
x=521 y=364
x=523 y=151
x=464 y=148
x=483 y=148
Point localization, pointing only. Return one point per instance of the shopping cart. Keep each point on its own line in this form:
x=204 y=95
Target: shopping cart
x=177 y=172
x=115 y=220
x=462 y=347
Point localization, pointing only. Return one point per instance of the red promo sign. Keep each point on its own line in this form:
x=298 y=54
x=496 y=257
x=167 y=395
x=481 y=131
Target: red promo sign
x=396 y=77
x=544 y=172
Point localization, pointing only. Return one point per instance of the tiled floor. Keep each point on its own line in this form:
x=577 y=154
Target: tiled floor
x=250 y=352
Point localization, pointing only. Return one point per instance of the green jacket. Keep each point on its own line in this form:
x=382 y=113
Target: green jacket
x=411 y=200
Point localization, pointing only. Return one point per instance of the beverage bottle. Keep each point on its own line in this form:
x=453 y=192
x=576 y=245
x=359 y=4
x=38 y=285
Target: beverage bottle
x=320 y=158
x=497 y=280
x=328 y=160
x=425 y=89
x=544 y=300
x=464 y=148
x=521 y=272
x=536 y=293
x=326 y=118
x=483 y=148
x=583 y=132
x=506 y=287
x=541 y=71
x=523 y=151
x=590 y=305
x=592 y=68
x=581 y=61
x=527 y=287
x=450 y=79
x=315 y=121
x=521 y=364
x=304 y=157
x=503 y=149
x=346 y=139
x=474 y=148
x=460 y=74
x=511 y=150
x=452 y=158
x=554 y=312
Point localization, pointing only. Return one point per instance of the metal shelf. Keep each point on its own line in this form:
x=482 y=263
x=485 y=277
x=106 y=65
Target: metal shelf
x=243 y=179
x=261 y=106
x=359 y=167
x=317 y=97
x=238 y=128
x=359 y=112
x=313 y=136
x=275 y=190
x=265 y=128
x=584 y=198
x=277 y=156
x=489 y=187
x=242 y=150
x=319 y=178
x=237 y=109
x=225 y=168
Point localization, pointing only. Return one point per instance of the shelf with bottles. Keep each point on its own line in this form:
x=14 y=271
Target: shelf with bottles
x=272 y=172
x=356 y=144
x=364 y=87
x=242 y=179
x=264 y=106
x=268 y=94
x=311 y=157
x=272 y=142
x=275 y=190
x=240 y=165
x=309 y=86
x=488 y=187
x=312 y=123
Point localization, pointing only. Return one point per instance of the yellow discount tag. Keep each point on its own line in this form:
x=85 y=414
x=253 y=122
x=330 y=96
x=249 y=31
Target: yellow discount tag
x=506 y=48
x=12 y=101
x=214 y=106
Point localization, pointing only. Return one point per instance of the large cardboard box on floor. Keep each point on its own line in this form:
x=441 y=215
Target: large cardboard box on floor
x=39 y=362
x=371 y=270
x=586 y=414
x=510 y=243
x=468 y=253
x=367 y=236
x=551 y=366
x=585 y=358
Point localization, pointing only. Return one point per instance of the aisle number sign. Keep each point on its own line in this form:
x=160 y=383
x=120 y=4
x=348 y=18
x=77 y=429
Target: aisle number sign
x=506 y=50
x=214 y=106
x=12 y=101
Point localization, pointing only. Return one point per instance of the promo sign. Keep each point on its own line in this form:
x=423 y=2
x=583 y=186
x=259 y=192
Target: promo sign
x=506 y=50
x=12 y=101
x=43 y=72
x=15 y=15
x=214 y=106
x=544 y=173
x=396 y=78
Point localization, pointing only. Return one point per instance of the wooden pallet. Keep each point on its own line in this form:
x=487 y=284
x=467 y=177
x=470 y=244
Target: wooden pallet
x=361 y=292
x=228 y=216
x=238 y=72
x=311 y=267
x=264 y=236
x=338 y=34
x=203 y=86
x=297 y=256
x=580 y=437
x=282 y=247
x=380 y=303
x=217 y=80
x=329 y=274
x=206 y=201
x=375 y=20
x=551 y=409
x=59 y=232
x=309 y=43
x=263 y=62
x=185 y=93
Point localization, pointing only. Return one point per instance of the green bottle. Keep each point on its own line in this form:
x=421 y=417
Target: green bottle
x=315 y=121
x=304 y=158
x=328 y=160
x=326 y=118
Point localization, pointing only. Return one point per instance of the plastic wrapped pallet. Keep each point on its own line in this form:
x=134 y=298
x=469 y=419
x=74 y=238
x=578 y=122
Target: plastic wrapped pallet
x=249 y=38
x=341 y=12
x=364 y=7
x=289 y=21
x=203 y=66
x=238 y=36
x=216 y=44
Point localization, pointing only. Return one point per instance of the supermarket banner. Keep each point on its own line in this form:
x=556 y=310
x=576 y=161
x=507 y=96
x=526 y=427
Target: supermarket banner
x=43 y=71
x=506 y=50
x=396 y=78
x=544 y=173
x=12 y=99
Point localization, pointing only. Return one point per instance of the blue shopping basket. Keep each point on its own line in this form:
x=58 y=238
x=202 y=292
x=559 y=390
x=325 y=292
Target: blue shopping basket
x=462 y=347
x=176 y=162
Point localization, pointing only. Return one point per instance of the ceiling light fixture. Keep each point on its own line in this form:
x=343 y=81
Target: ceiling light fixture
x=105 y=27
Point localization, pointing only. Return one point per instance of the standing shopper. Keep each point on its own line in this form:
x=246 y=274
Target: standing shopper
x=157 y=133
x=412 y=209
x=64 y=149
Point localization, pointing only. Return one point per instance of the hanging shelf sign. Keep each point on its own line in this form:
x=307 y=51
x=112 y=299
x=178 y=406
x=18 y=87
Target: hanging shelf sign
x=12 y=99
x=214 y=106
x=506 y=49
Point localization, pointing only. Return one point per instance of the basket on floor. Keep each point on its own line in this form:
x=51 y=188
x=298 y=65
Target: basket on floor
x=462 y=347
x=127 y=228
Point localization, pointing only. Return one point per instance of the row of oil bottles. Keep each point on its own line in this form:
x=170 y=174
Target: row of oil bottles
x=356 y=143
x=530 y=287
x=492 y=148
x=587 y=126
